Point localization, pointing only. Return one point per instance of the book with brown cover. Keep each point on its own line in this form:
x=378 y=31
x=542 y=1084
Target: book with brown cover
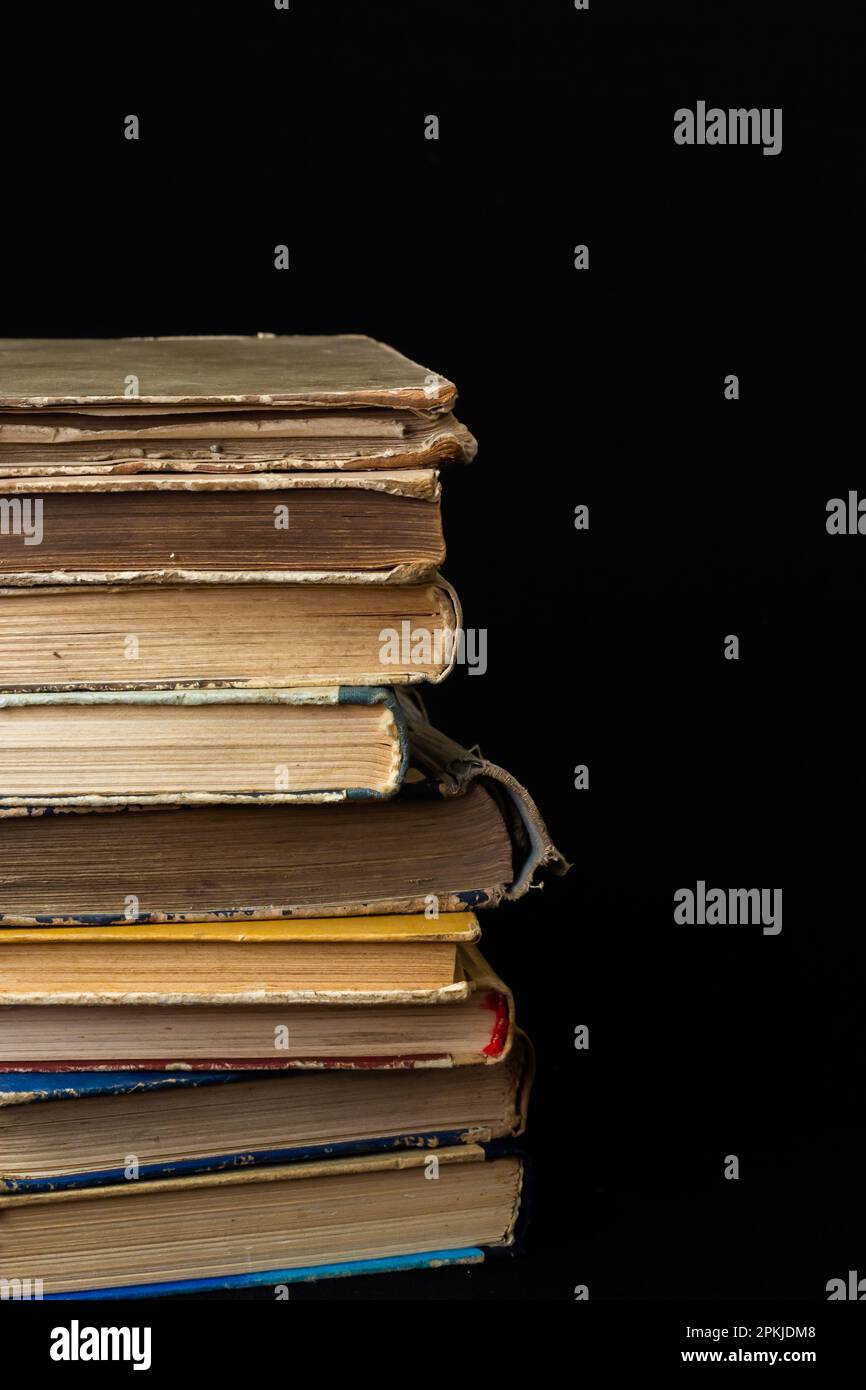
x=343 y=528
x=221 y=404
x=302 y=371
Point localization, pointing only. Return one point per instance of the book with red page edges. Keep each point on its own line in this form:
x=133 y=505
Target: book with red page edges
x=468 y=1023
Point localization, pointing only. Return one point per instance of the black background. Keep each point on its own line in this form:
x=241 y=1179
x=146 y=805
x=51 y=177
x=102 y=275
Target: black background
x=707 y=518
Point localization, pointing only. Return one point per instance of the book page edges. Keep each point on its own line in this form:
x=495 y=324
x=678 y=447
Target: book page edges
x=407 y=572
x=472 y=975
x=422 y=484
x=448 y=616
x=450 y=444
x=311 y=695
x=356 y=998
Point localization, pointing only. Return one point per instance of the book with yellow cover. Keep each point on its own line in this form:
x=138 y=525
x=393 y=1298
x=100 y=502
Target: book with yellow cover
x=345 y=959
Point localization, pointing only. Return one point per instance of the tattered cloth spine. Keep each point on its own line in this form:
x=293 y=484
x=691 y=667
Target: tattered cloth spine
x=450 y=768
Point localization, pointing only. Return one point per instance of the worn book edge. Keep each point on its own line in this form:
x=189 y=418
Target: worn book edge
x=312 y=695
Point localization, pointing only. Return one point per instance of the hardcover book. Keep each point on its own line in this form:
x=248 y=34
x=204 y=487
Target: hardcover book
x=265 y=1225
x=217 y=439
x=468 y=1021
x=364 y=960
x=214 y=405
x=216 y=635
x=303 y=527
x=71 y=1129
x=298 y=372
x=199 y=747
x=463 y=833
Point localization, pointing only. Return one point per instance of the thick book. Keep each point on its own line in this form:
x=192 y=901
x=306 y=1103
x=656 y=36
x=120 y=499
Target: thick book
x=466 y=1022
x=226 y=635
x=304 y=528
x=228 y=404
x=265 y=1225
x=462 y=834
x=199 y=747
x=363 y=959
x=120 y=440
x=65 y=1129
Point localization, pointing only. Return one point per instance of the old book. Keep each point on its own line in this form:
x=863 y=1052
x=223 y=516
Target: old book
x=342 y=404
x=304 y=372
x=354 y=527
x=362 y=958
x=170 y=747
x=463 y=833
x=261 y=636
x=265 y=1225
x=68 y=1129
x=122 y=440
x=469 y=1021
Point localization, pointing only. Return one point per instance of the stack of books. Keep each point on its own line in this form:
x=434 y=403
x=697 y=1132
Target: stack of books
x=246 y=1032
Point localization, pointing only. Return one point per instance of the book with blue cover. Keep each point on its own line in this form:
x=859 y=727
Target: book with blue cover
x=279 y=1280
x=264 y=1225
x=64 y=1130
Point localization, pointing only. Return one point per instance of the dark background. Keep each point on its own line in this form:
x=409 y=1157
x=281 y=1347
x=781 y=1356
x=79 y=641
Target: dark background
x=707 y=517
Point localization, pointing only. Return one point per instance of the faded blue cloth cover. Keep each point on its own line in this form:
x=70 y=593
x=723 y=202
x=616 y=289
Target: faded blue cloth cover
x=391 y=1264
x=64 y=1085
x=42 y=1086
